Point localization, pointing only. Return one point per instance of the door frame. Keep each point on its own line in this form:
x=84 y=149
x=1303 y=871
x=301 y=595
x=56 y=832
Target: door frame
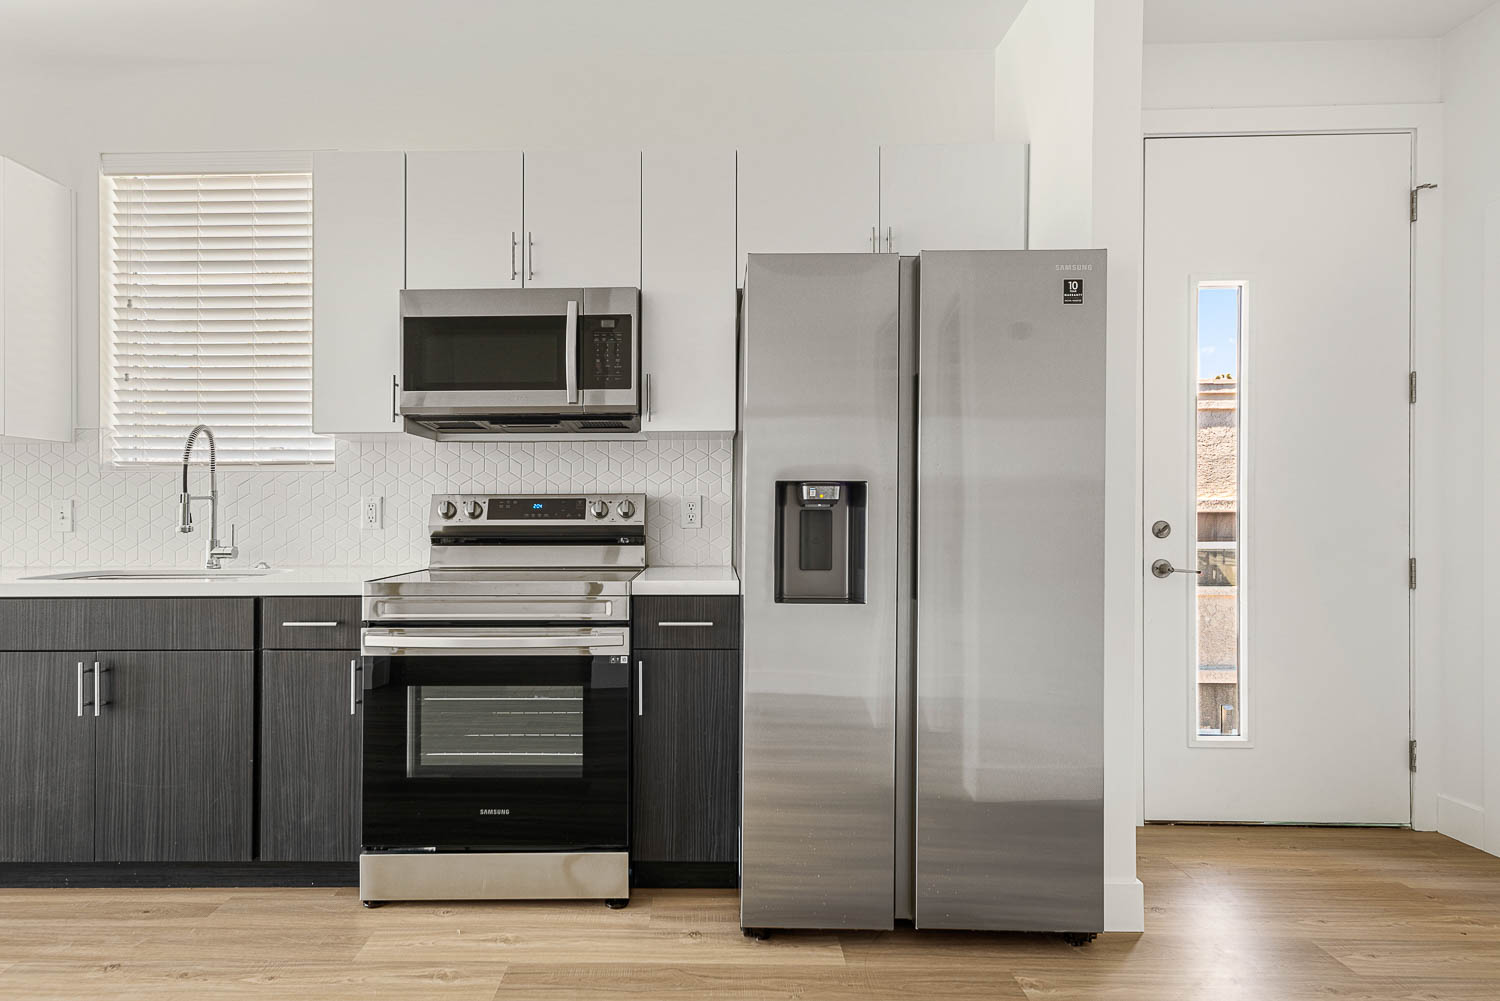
x=1424 y=122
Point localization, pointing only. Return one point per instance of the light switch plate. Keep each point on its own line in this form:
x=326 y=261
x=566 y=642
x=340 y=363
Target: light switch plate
x=692 y=512
x=369 y=513
x=62 y=515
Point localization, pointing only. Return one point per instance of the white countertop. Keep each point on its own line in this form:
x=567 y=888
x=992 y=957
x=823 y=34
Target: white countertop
x=281 y=581
x=303 y=581
x=686 y=580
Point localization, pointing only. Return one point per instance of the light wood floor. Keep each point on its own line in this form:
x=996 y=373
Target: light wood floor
x=1270 y=914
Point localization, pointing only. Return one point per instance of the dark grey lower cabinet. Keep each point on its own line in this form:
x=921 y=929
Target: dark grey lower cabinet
x=46 y=757
x=310 y=765
x=685 y=756
x=174 y=757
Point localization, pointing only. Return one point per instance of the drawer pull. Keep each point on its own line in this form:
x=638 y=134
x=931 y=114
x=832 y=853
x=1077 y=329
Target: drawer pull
x=311 y=625
x=686 y=625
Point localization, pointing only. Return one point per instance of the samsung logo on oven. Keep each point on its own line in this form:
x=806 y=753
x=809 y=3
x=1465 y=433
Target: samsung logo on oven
x=493 y=812
x=1074 y=267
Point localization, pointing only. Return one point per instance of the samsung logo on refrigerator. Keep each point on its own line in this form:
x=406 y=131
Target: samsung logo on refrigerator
x=486 y=811
x=1074 y=267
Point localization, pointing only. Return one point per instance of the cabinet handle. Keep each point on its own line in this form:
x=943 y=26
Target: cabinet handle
x=513 y=273
x=874 y=240
x=395 y=410
x=640 y=688
x=354 y=687
x=686 y=625
x=81 y=703
x=98 y=692
x=530 y=257
x=890 y=245
x=310 y=625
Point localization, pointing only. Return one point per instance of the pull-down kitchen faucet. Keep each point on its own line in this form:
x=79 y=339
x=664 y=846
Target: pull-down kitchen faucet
x=216 y=551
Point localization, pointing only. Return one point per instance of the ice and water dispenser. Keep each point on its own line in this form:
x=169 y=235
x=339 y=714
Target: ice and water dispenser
x=820 y=541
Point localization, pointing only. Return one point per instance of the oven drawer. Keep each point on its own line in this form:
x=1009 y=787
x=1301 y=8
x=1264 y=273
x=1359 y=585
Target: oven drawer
x=688 y=622
x=493 y=608
x=310 y=623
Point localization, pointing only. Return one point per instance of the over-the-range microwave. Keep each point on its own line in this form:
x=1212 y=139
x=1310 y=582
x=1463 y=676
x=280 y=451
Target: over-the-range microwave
x=484 y=363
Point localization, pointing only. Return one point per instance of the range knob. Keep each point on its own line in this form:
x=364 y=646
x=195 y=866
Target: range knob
x=447 y=509
x=625 y=508
x=473 y=508
x=600 y=508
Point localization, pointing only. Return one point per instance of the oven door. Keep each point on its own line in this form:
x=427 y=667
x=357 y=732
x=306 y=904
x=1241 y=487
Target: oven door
x=490 y=351
x=510 y=739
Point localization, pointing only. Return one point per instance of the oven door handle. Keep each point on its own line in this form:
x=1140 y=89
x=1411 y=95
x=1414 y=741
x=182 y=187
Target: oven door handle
x=379 y=642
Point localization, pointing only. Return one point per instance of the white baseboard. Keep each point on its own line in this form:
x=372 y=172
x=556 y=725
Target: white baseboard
x=1124 y=905
x=1456 y=818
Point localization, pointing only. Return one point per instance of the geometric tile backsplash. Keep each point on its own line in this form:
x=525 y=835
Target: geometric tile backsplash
x=296 y=518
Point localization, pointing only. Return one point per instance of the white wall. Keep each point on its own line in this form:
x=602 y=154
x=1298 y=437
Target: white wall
x=60 y=123
x=1302 y=74
x=1044 y=95
x=1118 y=221
x=1068 y=80
x=1469 y=807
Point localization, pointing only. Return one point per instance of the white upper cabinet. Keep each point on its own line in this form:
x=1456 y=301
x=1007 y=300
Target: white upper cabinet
x=359 y=254
x=463 y=220
x=687 y=290
x=807 y=199
x=36 y=306
x=959 y=197
x=583 y=219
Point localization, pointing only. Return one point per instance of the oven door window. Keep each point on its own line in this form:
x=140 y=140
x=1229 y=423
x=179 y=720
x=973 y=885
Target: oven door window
x=514 y=752
x=505 y=731
x=453 y=354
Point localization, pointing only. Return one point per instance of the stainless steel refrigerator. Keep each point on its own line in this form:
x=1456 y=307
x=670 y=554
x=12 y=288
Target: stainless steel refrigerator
x=919 y=533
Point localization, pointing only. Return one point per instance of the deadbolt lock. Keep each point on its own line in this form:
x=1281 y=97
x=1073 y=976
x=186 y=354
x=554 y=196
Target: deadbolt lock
x=1161 y=530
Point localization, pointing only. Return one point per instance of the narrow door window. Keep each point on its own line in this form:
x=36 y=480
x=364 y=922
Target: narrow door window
x=1219 y=679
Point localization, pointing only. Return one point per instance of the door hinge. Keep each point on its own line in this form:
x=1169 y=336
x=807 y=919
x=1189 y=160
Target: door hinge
x=1414 y=192
x=1411 y=573
x=1411 y=388
x=1411 y=750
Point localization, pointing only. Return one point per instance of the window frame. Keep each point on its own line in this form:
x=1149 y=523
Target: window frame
x=1245 y=738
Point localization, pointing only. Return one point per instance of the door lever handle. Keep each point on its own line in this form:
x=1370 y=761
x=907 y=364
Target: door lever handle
x=1164 y=568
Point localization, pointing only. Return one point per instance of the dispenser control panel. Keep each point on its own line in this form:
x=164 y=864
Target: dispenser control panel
x=820 y=494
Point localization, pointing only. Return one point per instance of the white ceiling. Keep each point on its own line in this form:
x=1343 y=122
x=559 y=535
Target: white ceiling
x=1303 y=20
x=104 y=34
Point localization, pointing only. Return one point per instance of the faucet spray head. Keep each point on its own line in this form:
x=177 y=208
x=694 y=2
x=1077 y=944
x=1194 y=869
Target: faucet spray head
x=185 y=520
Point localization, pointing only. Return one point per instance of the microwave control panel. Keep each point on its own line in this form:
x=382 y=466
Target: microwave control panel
x=607 y=361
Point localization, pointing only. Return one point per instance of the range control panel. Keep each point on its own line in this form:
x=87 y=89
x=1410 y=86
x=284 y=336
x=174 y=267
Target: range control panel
x=560 y=510
x=608 y=362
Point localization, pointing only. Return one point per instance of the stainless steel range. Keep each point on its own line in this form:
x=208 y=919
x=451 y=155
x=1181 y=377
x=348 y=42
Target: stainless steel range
x=497 y=710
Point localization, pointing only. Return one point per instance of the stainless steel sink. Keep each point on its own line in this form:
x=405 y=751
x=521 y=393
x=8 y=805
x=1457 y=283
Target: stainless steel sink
x=156 y=575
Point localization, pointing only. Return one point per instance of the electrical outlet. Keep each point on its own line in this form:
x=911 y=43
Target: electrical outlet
x=62 y=517
x=369 y=513
x=692 y=512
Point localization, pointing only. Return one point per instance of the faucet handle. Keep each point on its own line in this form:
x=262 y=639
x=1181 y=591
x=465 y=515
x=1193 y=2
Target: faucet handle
x=229 y=552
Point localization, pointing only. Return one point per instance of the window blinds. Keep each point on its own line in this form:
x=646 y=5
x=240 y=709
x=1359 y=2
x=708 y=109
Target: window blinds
x=210 y=316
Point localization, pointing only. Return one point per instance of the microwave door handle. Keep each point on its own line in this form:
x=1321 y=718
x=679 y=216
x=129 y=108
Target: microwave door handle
x=571 y=351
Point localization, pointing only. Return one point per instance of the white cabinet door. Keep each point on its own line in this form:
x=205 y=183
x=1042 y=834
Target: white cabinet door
x=583 y=219
x=953 y=197
x=807 y=199
x=359 y=253
x=463 y=220
x=687 y=290
x=36 y=306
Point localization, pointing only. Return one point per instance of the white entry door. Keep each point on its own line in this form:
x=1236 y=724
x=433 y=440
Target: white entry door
x=1277 y=465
